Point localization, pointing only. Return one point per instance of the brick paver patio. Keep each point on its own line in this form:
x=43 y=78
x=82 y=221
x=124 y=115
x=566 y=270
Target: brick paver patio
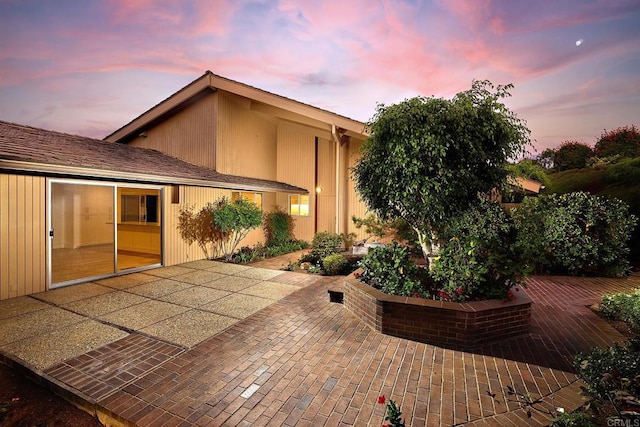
x=306 y=361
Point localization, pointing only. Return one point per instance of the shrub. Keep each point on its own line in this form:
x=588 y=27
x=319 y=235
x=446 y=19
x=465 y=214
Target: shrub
x=613 y=373
x=624 y=172
x=575 y=233
x=574 y=419
x=571 y=155
x=334 y=264
x=234 y=219
x=198 y=227
x=623 y=141
x=479 y=261
x=325 y=244
x=391 y=270
x=278 y=227
x=622 y=306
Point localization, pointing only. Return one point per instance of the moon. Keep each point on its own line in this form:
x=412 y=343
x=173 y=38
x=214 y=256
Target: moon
x=579 y=42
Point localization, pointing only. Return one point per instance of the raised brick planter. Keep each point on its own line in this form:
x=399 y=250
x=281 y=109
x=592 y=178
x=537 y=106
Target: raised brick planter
x=464 y=326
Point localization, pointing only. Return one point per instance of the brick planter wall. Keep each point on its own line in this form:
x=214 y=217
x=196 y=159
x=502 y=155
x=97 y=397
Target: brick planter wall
x=464 y=326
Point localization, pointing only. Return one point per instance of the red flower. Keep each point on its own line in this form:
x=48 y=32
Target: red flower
x=459 y=291
x=381 y=400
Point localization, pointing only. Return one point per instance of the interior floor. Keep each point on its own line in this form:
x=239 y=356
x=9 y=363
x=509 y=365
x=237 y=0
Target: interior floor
x=96 y=260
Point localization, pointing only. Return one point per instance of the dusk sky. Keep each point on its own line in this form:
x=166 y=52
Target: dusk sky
x=88 y=67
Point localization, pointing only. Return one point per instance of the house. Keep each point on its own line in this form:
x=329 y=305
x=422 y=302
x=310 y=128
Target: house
x=74 y=209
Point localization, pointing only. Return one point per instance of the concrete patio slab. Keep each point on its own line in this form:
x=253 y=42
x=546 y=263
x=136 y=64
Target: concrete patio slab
x=142 y=315
x=21 y=305
x=105 y=303
x=195 y=296
x=47 y=349
x=72 y=293
x=232 y=283
x=271 y=290
x=174 y=270
x=159 y=288
x=127 y=280
x=238 y=305
x=259 y=273
x=227 y=268
x=34 y=323
x=189 y=328
x=198 y=277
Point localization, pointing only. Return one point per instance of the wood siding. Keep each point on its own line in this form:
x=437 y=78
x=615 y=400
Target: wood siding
x=176 y=250
x=247 y=139
x=296 y=166
x=22 y=235
x=326 y=199
x=189 y=135
x=355 y=206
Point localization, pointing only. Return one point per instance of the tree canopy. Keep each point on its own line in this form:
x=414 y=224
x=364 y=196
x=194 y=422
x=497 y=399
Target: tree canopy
x=623 y=141
x=428 y=159
x=571 y=155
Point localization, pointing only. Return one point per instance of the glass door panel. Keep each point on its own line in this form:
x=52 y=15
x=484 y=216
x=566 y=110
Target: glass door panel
x=139 y=216
x=82 y=218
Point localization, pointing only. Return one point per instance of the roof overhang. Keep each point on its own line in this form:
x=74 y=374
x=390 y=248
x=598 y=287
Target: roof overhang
x=261 y=101
x=526 y=184
x=71 y=171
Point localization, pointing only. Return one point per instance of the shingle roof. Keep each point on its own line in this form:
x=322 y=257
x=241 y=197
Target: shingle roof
x=47 y=151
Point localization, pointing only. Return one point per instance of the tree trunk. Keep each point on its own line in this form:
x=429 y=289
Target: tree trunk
x=430 y=245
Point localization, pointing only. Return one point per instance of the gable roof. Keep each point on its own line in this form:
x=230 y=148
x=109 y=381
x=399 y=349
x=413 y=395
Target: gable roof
x=25 y=148
x=262 y=100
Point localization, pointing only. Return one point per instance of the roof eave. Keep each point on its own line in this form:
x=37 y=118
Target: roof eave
x=213 y=82
x=74 y=171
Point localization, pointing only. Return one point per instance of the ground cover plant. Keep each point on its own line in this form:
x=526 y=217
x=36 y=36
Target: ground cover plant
x=624 y=307
x=327 y=256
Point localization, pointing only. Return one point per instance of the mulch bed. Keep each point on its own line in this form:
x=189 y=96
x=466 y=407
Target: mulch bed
x=24 y=403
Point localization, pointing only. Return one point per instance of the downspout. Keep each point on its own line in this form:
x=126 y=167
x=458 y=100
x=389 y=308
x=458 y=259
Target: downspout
x=336 y=138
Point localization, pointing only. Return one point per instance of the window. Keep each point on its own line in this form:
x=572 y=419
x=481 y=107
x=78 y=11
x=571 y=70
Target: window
x=252 y=197
x=299 y=204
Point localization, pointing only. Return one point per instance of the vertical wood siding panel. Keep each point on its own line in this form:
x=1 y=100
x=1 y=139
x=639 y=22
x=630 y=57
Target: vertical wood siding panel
x=189 y=135
x=327 y=182
x=40 y=236
x=4 y=236
x=296 y=166
x=22 y=246
x=246 y=139
x=176 y=249
x=356 y=206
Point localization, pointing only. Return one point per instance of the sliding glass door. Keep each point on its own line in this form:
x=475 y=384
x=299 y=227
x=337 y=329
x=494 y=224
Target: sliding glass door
x=98 y=230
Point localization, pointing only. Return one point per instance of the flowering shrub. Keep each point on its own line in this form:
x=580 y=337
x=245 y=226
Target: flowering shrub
x=393 y=413
x=391 y=270
x=479 y=260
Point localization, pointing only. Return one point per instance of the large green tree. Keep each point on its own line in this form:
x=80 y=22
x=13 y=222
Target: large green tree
x=571 y=155
x=428 y=159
